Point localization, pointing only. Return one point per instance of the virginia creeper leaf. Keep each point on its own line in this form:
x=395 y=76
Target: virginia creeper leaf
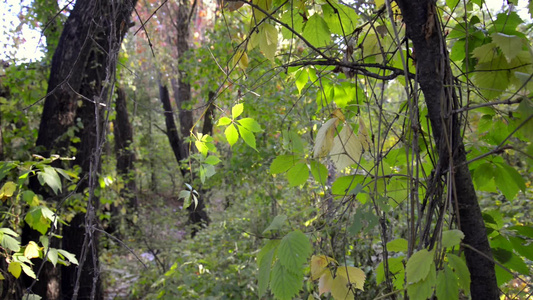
x=231 y=134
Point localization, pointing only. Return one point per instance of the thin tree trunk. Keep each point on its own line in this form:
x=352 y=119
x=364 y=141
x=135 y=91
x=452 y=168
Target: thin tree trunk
x=435 y=78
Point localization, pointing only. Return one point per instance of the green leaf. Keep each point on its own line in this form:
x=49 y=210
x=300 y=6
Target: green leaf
x=316 y=31
x=492 y=77
x=9 y=231
x=212 y=160
x=30 y=198
x=452 y=238
x=493 y=219
x=268 y=40
x=451 y=3
x=447 y=285
x=292 y=141
x=224 y=121
x=237 y=110
x=247 y=136
x=10 y=243
x=506 y=23
x=276 y=224
x=526 y=231
x=422 y=289
x=341 y=19
x=396 y=268
x=419 y=265
x=28 y=270
x=250 y=124
x=231 y=134
x=510 y=45
x=519 y=245
x=283 y=163
x=461 y=270
x=69 y=256
x=53 y=256
x=265 y=267
x=510 y=260
x=298 y=174
x=397 y=245
x=319 y=172
x=301 y=79
x=50 y=177
x=294 y=251
x=509 y=181
x=285 y=283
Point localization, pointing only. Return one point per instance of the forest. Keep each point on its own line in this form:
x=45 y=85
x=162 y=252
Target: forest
x=266 y=149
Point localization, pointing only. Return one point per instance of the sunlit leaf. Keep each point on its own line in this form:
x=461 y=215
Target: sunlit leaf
x=250 y=124
x=32 y=250
x=298 y=174
x=324 y=138
x=283 y=163
x=268 y=40
x=237 y=110
x=224 y=121
x=231 y=134
x=510 y=45
x=7 y=190
x=247 y=136
x=316 y=31
x=15 y=269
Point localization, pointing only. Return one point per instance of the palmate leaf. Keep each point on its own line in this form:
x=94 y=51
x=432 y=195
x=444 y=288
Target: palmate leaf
x=231 y=134
x=247 y=136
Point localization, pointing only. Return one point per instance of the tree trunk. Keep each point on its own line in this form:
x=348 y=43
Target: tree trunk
x=435 y=78
x=125 y=157
x=80 y=80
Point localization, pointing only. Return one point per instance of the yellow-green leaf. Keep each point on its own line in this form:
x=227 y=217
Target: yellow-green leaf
x=7 y=190
x=319 y=265
x=419 y=265
x=316 y=31
x=32 y=250
x=354 y=276
x=231 y=134
x=247 y=136
x=510 y=45
x=15 y=269
x=268 y=41
x=224 y=121
x=237 y=110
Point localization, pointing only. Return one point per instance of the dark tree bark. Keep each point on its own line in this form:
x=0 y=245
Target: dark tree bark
x=78 y=92
x=124 y=153
x=209 y=115
x=172 y=130
x=435 y=78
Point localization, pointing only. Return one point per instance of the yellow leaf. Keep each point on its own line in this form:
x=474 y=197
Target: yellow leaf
x=32 y=250
x=268 y=42
x=337 y=113
x=325 y=282
x=7 y=190
x=347 y=149
x=319 y=265
x=243 y=62
x=15 y=269
x=324 y=138
x=354 y=276
x=2 y=277
x=233 y=5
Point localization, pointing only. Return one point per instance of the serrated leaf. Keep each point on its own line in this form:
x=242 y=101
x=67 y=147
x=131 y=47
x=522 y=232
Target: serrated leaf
x=461 y=270
x=265 y=268
x=324 y=138
x=237 y=110
x=250 y=124
x=294 y=250
x=15 y=269
x=268 y=40
x=485 y=53
x=492 y=77
x=510 y=45
x=447 y=285
x=316 y=31
x=7 y=190
x=298 y=174
x=224 y=121
x=231 y=134
x=285 y=283
x=452 y=238
x=276 y=224
x=423 y=289
x=398 y=245
x=319 y=265
x=419 y=265
x=283 y=163
x=32 y=250
x=247 y=136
